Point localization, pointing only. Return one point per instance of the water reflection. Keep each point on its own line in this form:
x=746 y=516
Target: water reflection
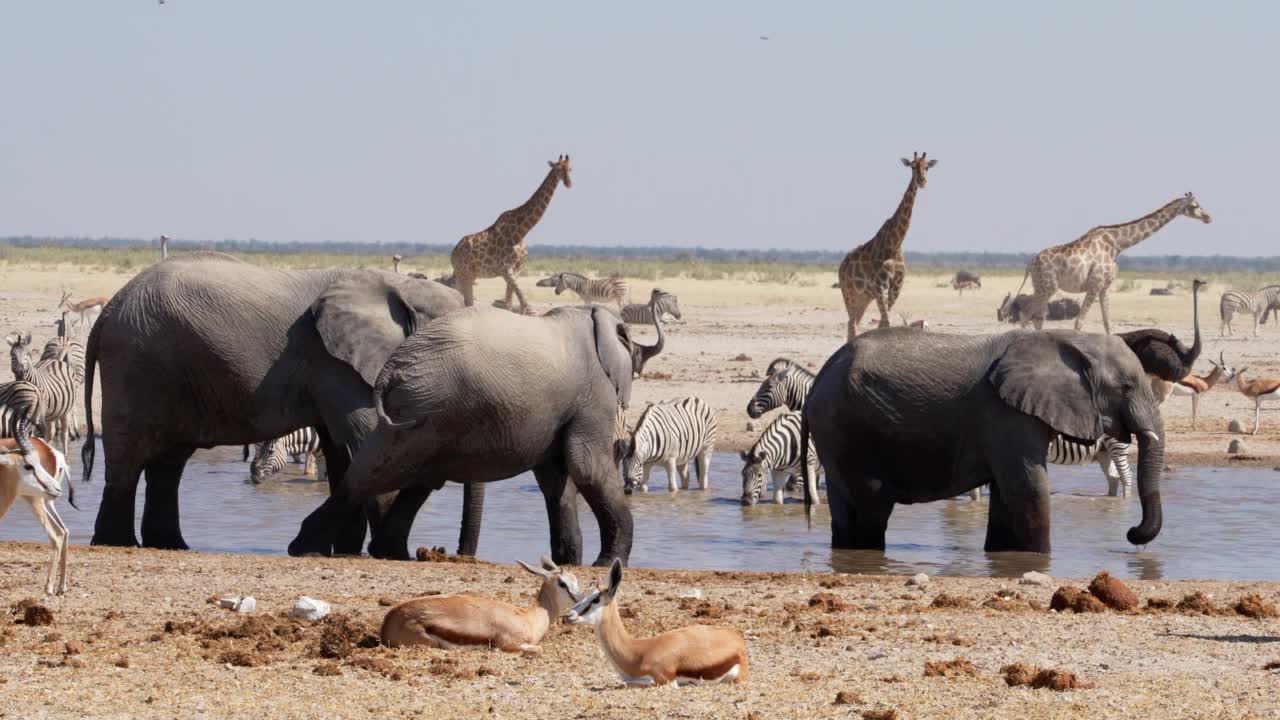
x=1218 y=523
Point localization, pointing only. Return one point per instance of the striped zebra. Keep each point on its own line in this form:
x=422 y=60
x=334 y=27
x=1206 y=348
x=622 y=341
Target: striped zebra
x=672 y=434
x=55 y=383
x=666 y=304
x=1110 y=454
x=302 y=445
x=786 y=384
x=19 y=401
x=591 y=290
x=1258 y=303
x=776 y=454
x=64 y=348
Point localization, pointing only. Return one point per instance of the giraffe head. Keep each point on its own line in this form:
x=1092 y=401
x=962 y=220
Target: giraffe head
x=1192 y=209
x=561 y=168
x=919 y=168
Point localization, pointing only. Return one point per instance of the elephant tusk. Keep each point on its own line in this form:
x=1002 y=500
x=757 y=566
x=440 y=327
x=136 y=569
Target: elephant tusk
x=1151 y=434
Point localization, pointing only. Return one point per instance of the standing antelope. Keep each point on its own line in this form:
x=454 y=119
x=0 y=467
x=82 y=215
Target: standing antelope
x=591 y=290
x=1261 y=390
x=1194 y=385
x=87 y=309
x=446 y=621
x=686 y=656
x=33 y=470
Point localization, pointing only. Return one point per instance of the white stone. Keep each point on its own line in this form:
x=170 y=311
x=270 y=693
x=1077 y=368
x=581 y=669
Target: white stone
x=1035 y=578
x=238 y=603
x=917 y=580
x=308 y=608
x=695 y=593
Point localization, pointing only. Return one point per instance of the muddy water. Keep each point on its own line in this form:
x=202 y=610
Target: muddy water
x=1218 y=523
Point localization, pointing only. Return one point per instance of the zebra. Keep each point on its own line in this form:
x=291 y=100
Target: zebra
x=302 y=445
x=591 y=290
x=776 y=453
x=673 y=434
x=1110 y=454
x=1258 y=303
x=786 y=384
x=55 y=383
x=666 y=304
x=64 y=348
x=19 y=401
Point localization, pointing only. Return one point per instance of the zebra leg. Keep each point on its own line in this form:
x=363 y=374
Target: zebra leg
x=1195 y=409
x=309 y=464
x=684 y=475
x=670 y=466
x=644 y=481
x=777 y=478
x=561 y=499
x=160 y=524
x=976 y=494
x=703 y=464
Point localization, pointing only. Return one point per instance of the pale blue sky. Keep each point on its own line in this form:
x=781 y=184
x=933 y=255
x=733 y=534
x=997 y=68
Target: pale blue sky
x=420 y=122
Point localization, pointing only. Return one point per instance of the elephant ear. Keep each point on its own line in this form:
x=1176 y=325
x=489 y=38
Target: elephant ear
x=1048 y=376
x=362 y=317
x=613 y=343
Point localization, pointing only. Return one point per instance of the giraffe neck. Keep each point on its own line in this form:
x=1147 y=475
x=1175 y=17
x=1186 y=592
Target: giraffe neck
x=894 y=231
x=1132 y=233
x=528 y=214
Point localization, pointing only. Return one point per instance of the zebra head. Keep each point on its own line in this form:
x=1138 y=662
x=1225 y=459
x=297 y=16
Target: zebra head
x=666 y=302
x=786 y=387
x=555 y=281
x=633 y=463
x=767 y=397
x=268 y=459
x=754 y=479
x=20 y=355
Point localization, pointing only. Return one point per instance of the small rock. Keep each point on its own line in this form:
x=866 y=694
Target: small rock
x=1035 y=578
x=1237 y=447
x=742 y=357
x=918 y=580
x=878 y=655
x=695 y=593
x=308 y=608
x=1112 y=592
x=751 y=427
x=240 y=604
x=1235 y=427
x=845 y=697
x=72 y=648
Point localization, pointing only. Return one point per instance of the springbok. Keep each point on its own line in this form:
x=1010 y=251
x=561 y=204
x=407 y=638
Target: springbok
x=1261 y=390
x=446 y=621
x=87 y=309
x=686 y=656
x=1194 y=385
x=33 y=470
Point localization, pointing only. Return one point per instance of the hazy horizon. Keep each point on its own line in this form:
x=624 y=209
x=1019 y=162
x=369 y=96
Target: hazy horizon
x=400 y=122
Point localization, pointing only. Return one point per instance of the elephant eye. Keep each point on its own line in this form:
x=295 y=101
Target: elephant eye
x=1127 y=389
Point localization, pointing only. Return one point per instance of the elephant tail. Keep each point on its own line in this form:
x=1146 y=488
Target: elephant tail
x=804 y=466
x=384 y=420
x=89 y=449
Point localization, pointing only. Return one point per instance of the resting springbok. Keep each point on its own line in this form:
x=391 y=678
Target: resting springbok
x=1261 y=390
x=87 y=309
x=446 y=621
x=33 y=470
x=1194 y=385
x=687 y=656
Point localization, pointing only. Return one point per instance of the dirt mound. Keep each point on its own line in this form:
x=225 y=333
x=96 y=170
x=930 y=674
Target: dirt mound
x=881 y=714
x=37 y=614
x=829 y=602
x=381 y=666
x=845 y=697
x=945 y=600
x=958 y=667
x=951 y=639
x=1197 y=603
x=1159 y=604
x=439 y=554
x=1256 y=607
x=1112 y=592
x=1070 y=597
x=327 y=668
x=1054 y=679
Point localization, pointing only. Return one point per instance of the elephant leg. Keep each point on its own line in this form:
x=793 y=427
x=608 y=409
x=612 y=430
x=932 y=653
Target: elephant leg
x=114 y=524
x=160 y=525
x=859 y=517
x=339 y=523
x=612 y=515
x=561 y=499
x=1019 y=508
x=390 y=533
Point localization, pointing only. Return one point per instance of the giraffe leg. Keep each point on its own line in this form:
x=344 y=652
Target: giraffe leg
x=1090 y=295
x=856 y=306
x=1104 y=306
x=467 y=286
x=512 y=286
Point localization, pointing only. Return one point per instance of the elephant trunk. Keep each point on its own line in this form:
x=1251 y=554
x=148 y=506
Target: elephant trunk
x=1150 y=465
x=472 y=511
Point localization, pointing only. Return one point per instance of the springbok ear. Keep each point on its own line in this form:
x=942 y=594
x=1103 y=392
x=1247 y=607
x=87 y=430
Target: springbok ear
x=1049 y=376
x=615 y=578
x=931 y=163
x=536 y=571
x=548 y=565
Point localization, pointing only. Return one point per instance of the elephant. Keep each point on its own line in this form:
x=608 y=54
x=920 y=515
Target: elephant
x=481 y=395
x=900 y=416
x=206 y=350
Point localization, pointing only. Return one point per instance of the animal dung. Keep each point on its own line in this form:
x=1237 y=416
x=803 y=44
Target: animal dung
x=35 y=615
x=1112 y=592
x=308 y=608
x=239 y=603
x=1016 y=674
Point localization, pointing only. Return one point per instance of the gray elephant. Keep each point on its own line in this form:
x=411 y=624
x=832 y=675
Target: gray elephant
x=900 y=416
x=482 y=395
x=207 y=350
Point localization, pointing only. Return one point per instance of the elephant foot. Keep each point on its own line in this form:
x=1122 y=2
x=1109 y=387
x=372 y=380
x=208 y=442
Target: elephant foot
x=389 y=551
x=606 y=560
x=165 y=542
x=305 y=548
x=115 y=539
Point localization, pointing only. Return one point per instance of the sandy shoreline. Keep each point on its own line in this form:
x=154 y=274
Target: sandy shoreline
x=872 y=645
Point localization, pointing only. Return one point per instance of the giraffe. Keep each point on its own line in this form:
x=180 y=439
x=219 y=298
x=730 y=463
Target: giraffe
x=499 y=250
x=1088 y=263
x=875 y=269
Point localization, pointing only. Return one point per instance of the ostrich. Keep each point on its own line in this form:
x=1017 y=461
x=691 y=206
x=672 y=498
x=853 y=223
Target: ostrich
x=1160 y=353
x=395 y=262
x=164 y=247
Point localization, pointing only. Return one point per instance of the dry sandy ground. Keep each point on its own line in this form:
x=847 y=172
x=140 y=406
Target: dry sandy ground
x=729 y=319
x=149 y=645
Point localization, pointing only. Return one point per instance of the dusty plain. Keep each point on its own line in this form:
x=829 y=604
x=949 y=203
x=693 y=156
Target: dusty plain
x=136 y=637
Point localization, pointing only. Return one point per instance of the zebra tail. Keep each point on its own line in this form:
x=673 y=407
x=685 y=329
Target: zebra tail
x=804 y=467
x=89 y=449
